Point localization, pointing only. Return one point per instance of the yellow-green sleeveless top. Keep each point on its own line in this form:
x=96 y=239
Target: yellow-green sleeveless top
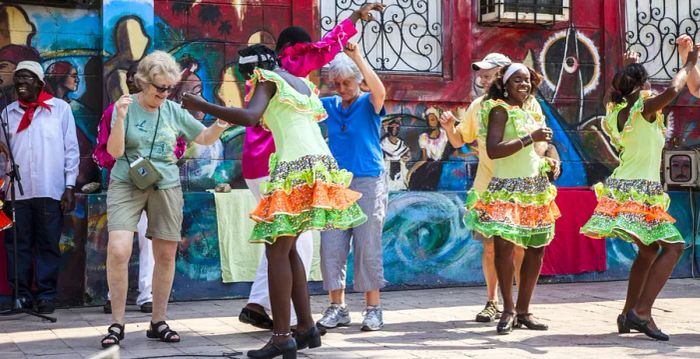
x=521 y=122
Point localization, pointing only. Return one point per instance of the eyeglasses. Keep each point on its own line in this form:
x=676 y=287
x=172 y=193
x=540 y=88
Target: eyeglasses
x=162 y=89
x=75 y=75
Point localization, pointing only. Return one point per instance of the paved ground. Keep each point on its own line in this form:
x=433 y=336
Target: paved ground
x=419 y=324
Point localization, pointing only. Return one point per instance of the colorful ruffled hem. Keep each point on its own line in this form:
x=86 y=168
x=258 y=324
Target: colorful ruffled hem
x=630 y=209
x=284 y=225
x=5 y=221
x=304 y=194
x=519 y=210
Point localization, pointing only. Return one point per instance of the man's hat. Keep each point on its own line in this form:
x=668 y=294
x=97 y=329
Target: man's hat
x=33 y=67
x=491 y=60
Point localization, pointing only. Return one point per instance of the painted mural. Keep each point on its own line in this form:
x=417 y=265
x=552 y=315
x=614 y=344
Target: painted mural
x=86 y=58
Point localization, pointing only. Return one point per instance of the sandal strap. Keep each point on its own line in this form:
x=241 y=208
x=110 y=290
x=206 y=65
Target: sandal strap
x=120 y=333
x=165 y=333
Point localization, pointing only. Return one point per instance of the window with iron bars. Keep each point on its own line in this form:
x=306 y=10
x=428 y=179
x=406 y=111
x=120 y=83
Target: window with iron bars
x=541 y=12
x=651 y=29
x=405 y=38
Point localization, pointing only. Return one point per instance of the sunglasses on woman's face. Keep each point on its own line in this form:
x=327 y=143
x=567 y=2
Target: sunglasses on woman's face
x=162 y=89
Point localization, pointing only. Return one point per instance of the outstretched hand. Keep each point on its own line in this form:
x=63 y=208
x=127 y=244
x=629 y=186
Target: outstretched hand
x=364 y=11
x=447 y=120
x=630 y=57
x=192 y=102
x=693 y=55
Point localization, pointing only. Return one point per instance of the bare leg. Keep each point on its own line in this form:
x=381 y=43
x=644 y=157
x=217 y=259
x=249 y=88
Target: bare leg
x=118 y=254
x=488 y=264
x=646 y=256
x=372 y=298
x=504 y=270
x=164 y=252
x=659 y=273
x=337 y=296
x=518 y=257
x=300 y=291
x=530 y=271
x=280 y=282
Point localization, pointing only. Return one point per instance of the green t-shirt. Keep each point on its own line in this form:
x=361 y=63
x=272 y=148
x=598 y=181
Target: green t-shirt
x=140 y=126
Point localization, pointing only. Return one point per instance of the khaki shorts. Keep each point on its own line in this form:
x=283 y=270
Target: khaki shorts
x=125 y=202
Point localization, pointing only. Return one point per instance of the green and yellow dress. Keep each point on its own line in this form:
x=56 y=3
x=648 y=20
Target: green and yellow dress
x=306 y=189
x=632 y=202
x=518 y=204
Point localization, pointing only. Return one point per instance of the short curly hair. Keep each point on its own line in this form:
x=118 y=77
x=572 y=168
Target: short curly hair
x=157 y=63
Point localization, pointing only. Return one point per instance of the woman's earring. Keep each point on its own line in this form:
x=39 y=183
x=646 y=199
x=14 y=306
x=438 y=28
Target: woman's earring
x=505 y=93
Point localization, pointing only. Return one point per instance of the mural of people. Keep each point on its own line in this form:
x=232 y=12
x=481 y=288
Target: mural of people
x=131 y=42
x=425 y=174
x=62 y=78
x=396 y=154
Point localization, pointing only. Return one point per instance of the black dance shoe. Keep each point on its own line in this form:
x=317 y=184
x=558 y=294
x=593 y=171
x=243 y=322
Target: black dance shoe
x=527 y=320
x=637 y=323
x=622 y=326
x=505 y=326
x=309 y=339
x=288 y=350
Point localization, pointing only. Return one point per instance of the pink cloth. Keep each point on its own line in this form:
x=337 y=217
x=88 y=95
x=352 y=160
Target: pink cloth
x=571 y=252
x=100 y=154
x=298 y=60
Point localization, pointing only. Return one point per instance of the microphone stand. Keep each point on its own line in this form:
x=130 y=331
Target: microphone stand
x=17 y=307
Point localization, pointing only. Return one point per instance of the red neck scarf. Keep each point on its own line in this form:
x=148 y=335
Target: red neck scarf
x=30 y=108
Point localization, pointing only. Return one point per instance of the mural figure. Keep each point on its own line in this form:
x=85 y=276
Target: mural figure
x=131 y=42
x=425 y=174
x=62 y=78
x=396 y=154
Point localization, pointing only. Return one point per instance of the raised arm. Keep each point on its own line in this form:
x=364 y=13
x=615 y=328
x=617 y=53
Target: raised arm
x=248 y=116
x=447 y=121
x=685 y=45
x=302 y=59
x=497 y=148
x=657 y=103
x=115 y=142
x=375 y=85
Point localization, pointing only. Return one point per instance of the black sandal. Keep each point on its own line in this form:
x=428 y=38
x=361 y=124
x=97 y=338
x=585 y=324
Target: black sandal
x=114 y=335
x=162 y=331
x=506 y=324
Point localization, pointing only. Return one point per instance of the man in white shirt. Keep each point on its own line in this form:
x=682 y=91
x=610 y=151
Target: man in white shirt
x=42 y=138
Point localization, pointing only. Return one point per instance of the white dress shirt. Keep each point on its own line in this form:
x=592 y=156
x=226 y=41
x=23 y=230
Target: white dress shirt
x=47 y=151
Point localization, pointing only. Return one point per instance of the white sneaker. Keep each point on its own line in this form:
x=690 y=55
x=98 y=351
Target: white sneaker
x=373 y=319
x=334 y=316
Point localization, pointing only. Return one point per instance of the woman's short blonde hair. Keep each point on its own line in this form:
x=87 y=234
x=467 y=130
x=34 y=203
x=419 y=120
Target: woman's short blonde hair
x=157 y=63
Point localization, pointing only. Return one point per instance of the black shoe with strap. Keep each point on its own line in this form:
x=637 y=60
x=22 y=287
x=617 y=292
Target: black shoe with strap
x=505 y=325
x=637 y=323
x=116 y=335
x=287 y=349
x=527 y=320
x=622 y=326
x=162 y=331
x=311 y=338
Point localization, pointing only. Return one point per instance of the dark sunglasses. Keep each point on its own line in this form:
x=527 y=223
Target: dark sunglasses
x=162 y=89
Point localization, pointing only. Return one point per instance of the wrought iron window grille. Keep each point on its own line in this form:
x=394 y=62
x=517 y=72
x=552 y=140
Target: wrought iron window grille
x=523 y=13
x=651 y=29
x=405 y=38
